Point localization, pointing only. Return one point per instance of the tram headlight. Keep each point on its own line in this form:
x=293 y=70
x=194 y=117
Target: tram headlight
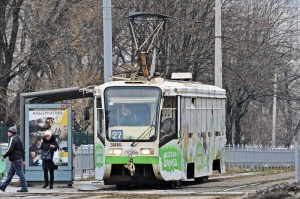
x=115 y=151
x=147 y=151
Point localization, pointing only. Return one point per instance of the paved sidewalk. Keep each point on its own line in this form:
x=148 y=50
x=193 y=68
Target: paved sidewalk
x=77 y=186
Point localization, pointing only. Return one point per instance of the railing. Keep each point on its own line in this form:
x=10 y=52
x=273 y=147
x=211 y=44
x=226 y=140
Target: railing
x=84 y=161
x=259 y=157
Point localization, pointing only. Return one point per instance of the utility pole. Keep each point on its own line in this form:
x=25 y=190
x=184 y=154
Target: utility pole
x=1 y=136
x=218 y=44
x=67 y=59
x=67 y=62
x=274 y=110
x=107 y=39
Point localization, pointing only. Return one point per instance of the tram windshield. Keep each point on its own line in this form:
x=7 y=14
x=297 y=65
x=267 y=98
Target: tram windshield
x=131 y=113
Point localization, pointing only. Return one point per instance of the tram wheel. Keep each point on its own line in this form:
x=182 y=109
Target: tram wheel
x=205 y=178
x=122 y=186
x=170 y=185
x=199 y=180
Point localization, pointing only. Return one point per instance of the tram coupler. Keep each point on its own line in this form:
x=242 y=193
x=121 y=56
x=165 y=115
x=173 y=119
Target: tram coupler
x=130 y=166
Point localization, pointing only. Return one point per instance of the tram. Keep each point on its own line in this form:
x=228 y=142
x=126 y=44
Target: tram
x=158 y=131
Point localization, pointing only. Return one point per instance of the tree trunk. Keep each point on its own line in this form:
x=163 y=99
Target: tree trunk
x=237 y=137
x=229 y=123
x=9 y=27
x=3 y=99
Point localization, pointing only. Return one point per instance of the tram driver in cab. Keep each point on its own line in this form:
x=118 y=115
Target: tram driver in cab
x=128 y=116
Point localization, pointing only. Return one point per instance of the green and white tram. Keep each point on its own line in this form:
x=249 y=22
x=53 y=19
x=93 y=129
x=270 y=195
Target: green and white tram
x=158 y=131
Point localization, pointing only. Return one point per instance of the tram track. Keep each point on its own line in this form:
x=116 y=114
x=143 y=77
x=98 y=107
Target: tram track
x=237 y=186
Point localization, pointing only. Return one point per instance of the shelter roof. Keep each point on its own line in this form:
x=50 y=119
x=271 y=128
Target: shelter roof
x=50 y=96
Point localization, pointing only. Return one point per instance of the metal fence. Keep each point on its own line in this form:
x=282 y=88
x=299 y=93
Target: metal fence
x=259 y=157
x=3 y=132
x=239 y=156
x=84 y=161
x=83 y=138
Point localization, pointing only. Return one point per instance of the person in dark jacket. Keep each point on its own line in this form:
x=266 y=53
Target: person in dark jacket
x=128 y=117
x=16 y=154
x=49 y=144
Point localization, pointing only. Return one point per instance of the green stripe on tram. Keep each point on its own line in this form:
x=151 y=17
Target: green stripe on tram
x=136 y=160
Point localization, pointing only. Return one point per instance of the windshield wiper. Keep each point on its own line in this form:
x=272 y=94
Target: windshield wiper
x=144 y=133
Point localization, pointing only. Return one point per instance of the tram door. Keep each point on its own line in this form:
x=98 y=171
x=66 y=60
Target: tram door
x=169 y=144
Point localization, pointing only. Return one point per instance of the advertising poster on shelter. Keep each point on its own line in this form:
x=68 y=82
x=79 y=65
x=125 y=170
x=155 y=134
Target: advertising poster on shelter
x=40 y=120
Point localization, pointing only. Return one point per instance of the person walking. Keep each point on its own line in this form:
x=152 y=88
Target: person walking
x=49 y=145
x=16 y=155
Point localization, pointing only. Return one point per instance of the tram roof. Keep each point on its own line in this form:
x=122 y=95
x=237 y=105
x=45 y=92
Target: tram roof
x=172 y=87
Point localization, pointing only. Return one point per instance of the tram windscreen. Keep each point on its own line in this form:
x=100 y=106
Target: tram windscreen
x=131 y=113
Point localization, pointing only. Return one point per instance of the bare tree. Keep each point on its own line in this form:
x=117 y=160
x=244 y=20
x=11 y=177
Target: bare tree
x=9 y=28
x=253 y=43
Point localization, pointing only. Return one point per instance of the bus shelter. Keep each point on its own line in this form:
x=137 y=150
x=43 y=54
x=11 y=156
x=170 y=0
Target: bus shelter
x=48 y=110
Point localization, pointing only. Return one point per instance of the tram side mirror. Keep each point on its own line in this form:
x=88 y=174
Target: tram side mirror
x=107 y=117
x=86 y=113
x=153 y=138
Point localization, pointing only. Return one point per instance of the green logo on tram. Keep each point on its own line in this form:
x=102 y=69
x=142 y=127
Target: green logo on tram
x=170 y=158
x=99 y=155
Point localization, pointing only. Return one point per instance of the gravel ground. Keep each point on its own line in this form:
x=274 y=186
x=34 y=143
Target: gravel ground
x=278 y=191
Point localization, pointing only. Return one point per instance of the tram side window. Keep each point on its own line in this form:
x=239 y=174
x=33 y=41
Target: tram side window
x=112 y=114
x=100 y=120
x=168 y=123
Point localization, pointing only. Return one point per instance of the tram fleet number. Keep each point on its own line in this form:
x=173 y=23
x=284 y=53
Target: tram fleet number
x=115 y=144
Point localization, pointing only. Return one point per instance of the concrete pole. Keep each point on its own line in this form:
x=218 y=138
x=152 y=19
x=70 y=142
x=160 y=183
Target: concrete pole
x=67 y=63
x=22 y=119
x=218 y=44
x=168 y=57
x=274 y=111
x=107 y=39
x=2 y=131
x=297 y=173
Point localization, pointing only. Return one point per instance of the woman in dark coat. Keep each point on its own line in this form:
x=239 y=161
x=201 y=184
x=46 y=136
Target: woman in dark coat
x=49 y=143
